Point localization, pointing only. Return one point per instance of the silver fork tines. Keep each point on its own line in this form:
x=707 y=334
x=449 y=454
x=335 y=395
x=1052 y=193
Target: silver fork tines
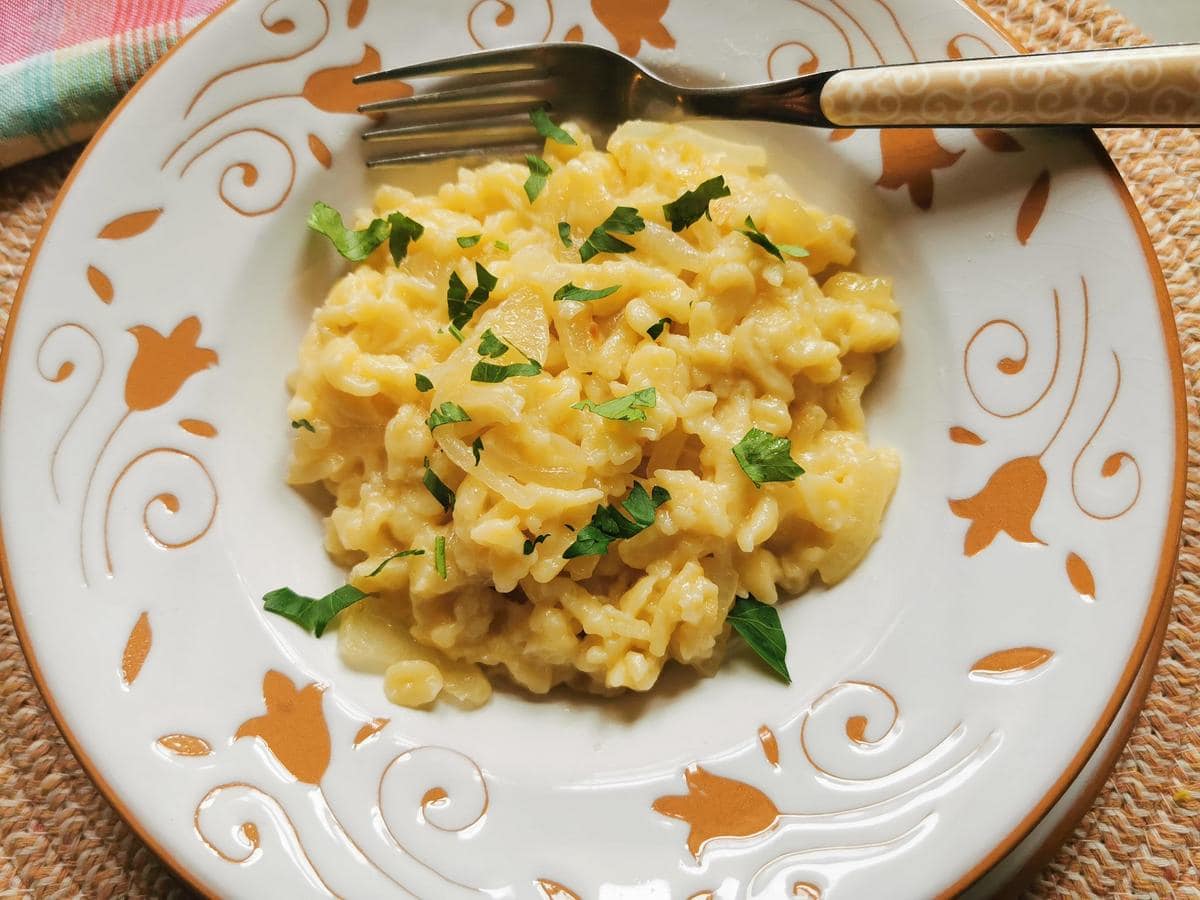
x=499 y=151
x=486 y=98
x=500 y=129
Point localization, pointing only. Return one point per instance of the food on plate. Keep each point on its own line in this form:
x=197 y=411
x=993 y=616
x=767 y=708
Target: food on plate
x=585 y=414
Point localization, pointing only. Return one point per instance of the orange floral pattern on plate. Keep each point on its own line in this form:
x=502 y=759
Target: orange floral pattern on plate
x=718 y=807
x=163 y=364
x=633 y=21
x=1008 y=503
x=293 y=727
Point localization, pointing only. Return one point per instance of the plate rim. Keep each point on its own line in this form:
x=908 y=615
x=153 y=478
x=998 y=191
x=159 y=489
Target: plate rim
x=1160 y=601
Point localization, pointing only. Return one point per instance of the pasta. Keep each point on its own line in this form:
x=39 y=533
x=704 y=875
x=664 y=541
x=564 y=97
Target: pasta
x=752 y=341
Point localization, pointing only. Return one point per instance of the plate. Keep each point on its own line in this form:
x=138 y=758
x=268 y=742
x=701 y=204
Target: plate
x=943 y=697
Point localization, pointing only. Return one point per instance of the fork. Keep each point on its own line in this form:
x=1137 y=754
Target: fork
x=481 y=106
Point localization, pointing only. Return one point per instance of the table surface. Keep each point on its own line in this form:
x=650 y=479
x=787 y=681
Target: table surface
x=1167 y=21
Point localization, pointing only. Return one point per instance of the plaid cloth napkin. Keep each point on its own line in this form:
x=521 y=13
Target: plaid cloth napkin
x=64 y=64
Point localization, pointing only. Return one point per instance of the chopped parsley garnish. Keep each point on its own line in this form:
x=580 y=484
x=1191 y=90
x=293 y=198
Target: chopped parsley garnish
x=609 y=525
x=547 y=129
x=437 y=487
x=397 y=229
x=461 y=305
x=758 y=624
x=658 y=328
x=570 y=292
x=403 y=553
x=564 y=234
x=623 y=220
x=312 y=614
x=630 y=408
x=468 y=240
x=446 y=414
x=455 y=333
x=777 y=250
x=502 y=245
x=693 y=204
x=404 y=230
x=490 y=373
x=539 y=169
x=492 y=346
x=305 y=424
x=423 y=383
x=765 y=457
x=477 y=448
x=527 y=549
x=439 y=556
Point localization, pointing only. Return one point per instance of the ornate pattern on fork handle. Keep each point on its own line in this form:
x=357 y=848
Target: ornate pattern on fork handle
x=1142 y=86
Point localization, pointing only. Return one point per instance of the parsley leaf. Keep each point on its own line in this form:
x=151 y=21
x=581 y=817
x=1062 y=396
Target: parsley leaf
x=757 y=237
x=468 y=240
x=353 y=245
x=423 y=383
x=528 y=547
x=502 y=245
x=455 y=333
x=439 y=556
x=477 y=448
x=403 y=553
x=437 y=487
x=311 y=613
x=305 y=424
x=693 y=204
x=404 y=230
x=758 y=624
x=547 y=129
x=490 y=373
x=459 y=304
x=445 y=414
x=564 y=233
x=658 y=328
x=398 y=229
x=491 y=345
x=765 y=457
x=629 y=408
x=570 y=292
x=539 y=169
x=623 y=220
x=609 y=525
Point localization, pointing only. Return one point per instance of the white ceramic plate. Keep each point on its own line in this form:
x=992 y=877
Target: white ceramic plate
x=943 y=697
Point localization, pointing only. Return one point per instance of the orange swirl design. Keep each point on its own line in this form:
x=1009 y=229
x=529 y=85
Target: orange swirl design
x=247 y=834
x=1112 y=464
x=249 y=172
x=64 y=371
x=1011 y=366
x=431 y=804
x=811 y=65
x=278 y=26
x=504 y=19
x=168 y=500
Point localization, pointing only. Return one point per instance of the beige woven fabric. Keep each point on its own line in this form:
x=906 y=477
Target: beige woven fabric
x=59 y=838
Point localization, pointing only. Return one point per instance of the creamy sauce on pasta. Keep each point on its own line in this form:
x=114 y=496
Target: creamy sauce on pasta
x=786 y=346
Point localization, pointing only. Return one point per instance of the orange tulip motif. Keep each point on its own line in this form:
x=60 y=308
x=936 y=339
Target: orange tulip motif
x=717 y=807
x=293 y=727
x=634 y=21
x=909 y=157
x=1008 y=503
x=163 y=364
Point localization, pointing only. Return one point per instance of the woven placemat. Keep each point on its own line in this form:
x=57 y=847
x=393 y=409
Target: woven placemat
x=60 y=838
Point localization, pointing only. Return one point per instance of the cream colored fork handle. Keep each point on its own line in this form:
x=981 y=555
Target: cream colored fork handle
x=1137 y=86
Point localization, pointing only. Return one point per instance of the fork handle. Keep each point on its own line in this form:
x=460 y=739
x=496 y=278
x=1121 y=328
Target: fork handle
x=1135 y=86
